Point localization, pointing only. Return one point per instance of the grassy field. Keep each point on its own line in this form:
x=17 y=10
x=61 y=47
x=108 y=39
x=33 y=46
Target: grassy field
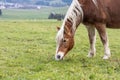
x=27 y=50
x=30 y=14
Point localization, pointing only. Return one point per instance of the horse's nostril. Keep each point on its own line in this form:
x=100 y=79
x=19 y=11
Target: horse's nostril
x=58 y=56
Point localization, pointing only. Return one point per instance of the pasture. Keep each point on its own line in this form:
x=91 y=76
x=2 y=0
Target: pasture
x=30 y=14
x=27 y=50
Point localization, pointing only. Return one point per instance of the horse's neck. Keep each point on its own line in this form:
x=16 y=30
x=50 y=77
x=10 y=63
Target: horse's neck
x=74 y=15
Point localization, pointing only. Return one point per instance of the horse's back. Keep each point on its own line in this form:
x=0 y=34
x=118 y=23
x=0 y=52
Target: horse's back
x=113 y=10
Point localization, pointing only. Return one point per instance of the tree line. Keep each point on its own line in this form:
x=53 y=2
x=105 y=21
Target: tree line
x=55 y=3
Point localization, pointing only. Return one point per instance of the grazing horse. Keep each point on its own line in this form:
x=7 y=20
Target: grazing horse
x=94 y=14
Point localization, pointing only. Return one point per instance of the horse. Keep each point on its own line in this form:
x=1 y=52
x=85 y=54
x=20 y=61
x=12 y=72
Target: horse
x=95 y=15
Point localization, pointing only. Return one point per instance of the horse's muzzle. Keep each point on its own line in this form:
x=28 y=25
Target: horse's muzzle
x=59 y=56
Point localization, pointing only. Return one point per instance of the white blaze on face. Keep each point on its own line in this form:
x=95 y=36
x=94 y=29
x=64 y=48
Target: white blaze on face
x=59 y=56
x=59 y=37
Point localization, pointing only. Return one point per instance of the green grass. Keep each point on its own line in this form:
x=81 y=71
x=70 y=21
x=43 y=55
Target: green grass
x=27 y=50
x=30 y=14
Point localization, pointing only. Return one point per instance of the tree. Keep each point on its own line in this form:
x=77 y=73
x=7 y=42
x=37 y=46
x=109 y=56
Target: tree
x=57 y=3
x=42 y=3
x=8 y=0
x=19 y=1
x=67 y=1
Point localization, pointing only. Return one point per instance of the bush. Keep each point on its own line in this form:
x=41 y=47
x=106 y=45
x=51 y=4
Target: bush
x=56 y=16
x=0 y=12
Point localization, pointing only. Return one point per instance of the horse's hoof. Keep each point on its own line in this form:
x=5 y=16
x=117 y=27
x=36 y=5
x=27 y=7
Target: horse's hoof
x=105 y=57
x=90 y=56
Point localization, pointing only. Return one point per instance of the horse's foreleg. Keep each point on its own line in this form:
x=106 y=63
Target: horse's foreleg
x=92 y=40
x=101 y=28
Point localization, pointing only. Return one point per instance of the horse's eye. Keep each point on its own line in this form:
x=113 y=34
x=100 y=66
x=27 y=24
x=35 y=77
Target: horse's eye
x=64 y=40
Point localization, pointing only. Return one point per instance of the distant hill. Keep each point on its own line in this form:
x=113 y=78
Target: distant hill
x=56 y=3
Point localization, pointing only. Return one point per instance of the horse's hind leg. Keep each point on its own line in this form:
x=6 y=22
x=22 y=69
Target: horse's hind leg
x=101 y=28
x=92 y=40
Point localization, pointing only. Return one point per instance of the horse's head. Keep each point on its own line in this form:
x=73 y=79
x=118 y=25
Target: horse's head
x=65 y=41
x=65 y=36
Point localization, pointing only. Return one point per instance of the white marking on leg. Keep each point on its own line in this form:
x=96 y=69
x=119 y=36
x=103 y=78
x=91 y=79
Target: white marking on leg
x=92 y=39
x=103 y=35
x=59 y=55
x=107 y=51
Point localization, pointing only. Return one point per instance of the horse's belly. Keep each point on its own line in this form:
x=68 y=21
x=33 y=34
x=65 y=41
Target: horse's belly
x=113 y=25
x=113 y=10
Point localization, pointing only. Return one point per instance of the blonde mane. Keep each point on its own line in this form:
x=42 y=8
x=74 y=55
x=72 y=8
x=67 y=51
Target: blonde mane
x=71 y=15
x=95 y=2
x=75 y=8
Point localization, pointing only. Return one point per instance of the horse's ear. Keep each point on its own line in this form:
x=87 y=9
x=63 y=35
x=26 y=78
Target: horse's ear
x=58 y=28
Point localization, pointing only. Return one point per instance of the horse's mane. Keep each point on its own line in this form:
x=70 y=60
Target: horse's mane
x=95 y=2
x=75 y=8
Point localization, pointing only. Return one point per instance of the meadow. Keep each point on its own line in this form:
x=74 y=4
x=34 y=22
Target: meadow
x=27 y=49
x=30 y=14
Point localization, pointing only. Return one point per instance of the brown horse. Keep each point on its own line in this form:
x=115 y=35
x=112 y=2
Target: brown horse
x=94 y=14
